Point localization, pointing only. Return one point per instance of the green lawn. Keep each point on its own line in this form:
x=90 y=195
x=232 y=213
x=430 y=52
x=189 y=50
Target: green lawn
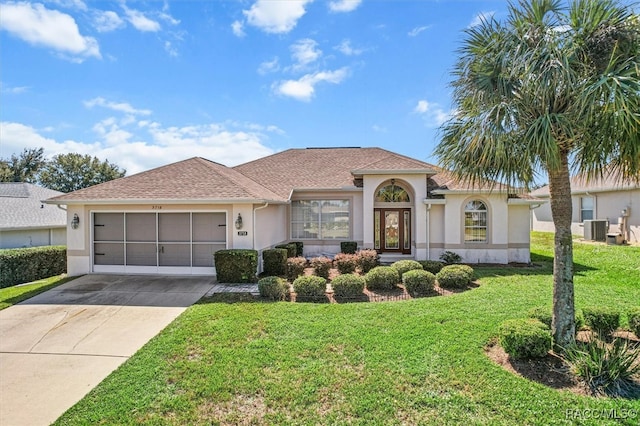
x=408 y=362
x=11 y=295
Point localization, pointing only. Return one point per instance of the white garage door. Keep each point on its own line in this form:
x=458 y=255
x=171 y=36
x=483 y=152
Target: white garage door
x=167 y=243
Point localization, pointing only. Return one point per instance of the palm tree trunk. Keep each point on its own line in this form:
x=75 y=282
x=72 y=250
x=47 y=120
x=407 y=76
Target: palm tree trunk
x=563 y=322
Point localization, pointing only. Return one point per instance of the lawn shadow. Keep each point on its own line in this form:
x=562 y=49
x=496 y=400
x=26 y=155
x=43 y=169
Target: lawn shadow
x=231 y=298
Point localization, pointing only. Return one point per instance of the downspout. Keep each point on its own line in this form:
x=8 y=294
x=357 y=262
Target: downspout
x=531 y=209
x=255 y=234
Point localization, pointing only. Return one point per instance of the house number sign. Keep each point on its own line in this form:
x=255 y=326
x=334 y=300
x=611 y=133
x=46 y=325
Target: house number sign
x=242 y=233
x=156 y=207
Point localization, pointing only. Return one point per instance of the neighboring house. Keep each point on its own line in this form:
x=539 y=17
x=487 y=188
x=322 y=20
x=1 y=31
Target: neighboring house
x=600 y=199
x=25 y=221
x=172 y=218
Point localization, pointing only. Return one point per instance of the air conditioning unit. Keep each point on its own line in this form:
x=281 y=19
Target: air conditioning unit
x=596 y=230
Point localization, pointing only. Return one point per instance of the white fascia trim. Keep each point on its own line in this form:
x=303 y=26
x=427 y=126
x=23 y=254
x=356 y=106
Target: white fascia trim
x=394 y=172
x=341 y=189
x=176 y=202
x=434 y=201
x=520 y=201
x=33 y=228
x=470 y=191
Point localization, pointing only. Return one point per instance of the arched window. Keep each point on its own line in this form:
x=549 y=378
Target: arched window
x=475 y=222
x=392 y=193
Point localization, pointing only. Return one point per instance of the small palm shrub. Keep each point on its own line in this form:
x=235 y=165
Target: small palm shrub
x=607 y=369
x=295 y=267
x=310 y=286
x=418 y=282
x=274 y=261
x=634 y=321
x=525 y=338
x=403 y=266
x=433 y=266
x=346 y=263
x=382 y=278
x=367 y=260
x=321 y=266
x=604 y=320
x=455 y=276
x=273 y=288
x=450 y=257
x=348 y=285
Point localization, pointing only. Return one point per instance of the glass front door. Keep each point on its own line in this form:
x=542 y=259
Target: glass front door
x=392 y=230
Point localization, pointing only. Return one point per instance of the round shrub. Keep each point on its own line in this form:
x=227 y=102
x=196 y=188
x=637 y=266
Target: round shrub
x=382 y=278
x=634 y=321
x=403 y=266
x=455 y=276
x=433 y=266
x=310 y=286
x=274 y=288
x=367 y=260
x=321 y=266
x=346 y=263
x=418 y=282
x=604 y=320
x=542 y=314
x=348 y=285
x=525 y=338
x=295 y=267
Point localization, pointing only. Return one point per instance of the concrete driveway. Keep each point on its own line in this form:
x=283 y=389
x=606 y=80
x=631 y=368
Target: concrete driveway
x=57 y=346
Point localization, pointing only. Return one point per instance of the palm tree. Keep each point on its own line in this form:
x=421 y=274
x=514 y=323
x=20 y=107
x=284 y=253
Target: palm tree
x=552 y=90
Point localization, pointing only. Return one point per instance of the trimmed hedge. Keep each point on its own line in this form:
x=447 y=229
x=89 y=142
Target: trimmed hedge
x=295 y=267
x=273 y=288
x=418 y=282
x=455 y=276
x=291 y=249
x=382 y=278
x=367 y=260
x=525 y=338
x=321 y=266
x=603 y=320
x=542 y=314
x=348 y=285
x=348 y=247
x=274 y=261
x=634 y=321
x=346 y=263
x=433 y=266
x=299 y=248
x=310 y=286
x=236 y=265
x=23 y=265
x=403 y=266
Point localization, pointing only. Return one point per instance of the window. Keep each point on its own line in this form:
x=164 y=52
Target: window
x=475 y=222
x=586 y=208
x=320 y=219
x=392 y=194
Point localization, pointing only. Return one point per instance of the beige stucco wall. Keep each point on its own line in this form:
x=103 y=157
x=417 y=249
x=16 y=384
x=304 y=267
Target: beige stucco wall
x=32 y=238
x=607 y=205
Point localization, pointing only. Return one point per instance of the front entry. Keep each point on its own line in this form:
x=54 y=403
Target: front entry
x=392 y=230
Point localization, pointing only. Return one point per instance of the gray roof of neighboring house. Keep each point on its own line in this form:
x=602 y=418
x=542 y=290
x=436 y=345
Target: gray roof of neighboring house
x=21 y=207
x=581 y=185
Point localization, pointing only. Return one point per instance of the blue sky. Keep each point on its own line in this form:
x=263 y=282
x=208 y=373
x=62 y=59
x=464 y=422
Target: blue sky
x=146 y=83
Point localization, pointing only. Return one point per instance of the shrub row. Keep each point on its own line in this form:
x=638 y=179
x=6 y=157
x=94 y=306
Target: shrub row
x=455 y=276
x=310 y=286
x=24 y=265
x=348 y=285
x=273 y=288
x=236 y=265
x=525 y=338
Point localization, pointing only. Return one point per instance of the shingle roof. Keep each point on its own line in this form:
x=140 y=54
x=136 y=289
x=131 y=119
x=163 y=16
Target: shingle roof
x=580 y=184
x=21 y=207
x=323 y=168
x=189 y=180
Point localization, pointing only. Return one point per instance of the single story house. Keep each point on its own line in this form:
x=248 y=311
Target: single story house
x=606 y=199
x=172 y=218
x=26 y=221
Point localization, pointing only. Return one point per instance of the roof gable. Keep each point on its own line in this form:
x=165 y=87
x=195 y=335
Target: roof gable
x=21 y=207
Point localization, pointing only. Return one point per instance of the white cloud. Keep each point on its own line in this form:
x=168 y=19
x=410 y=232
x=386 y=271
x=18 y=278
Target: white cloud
x=140 y=21
x=71 y=4
x=238 y=29
x=303 y=89
x=40 y=26
x=13 y=90
x=116 y=106
x=170 y=49
x=344 y=5
x=106 y=21
x=379 y=129
x=481 y=17
x=304 y=52
x=417 y=30
x=346 y=49
x=269 y=66
x=158 y=146
x=276 y=16
x=433 y=113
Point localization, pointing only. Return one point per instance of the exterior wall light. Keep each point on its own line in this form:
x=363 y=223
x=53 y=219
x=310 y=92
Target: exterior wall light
x=239 y=222
x=75 y=222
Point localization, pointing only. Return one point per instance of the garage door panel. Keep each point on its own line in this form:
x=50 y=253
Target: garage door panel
x=108 y=254
x=142 y=254
x=174 y=227
x=203 y=253
x=141 y=227
x=108 y=227
x=208 y=227
x=175 y=255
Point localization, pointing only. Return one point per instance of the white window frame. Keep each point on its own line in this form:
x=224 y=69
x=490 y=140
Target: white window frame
x=319 y=202
x=583 y=210
x=479 y=213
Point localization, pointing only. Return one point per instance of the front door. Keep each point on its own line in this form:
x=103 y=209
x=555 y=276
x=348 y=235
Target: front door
x=392 y=230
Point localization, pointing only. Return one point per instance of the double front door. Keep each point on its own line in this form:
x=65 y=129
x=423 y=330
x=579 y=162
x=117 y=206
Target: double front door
x=392 y=230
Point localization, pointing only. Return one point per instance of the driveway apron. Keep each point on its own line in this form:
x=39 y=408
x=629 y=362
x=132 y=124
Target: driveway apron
x=57 y=346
